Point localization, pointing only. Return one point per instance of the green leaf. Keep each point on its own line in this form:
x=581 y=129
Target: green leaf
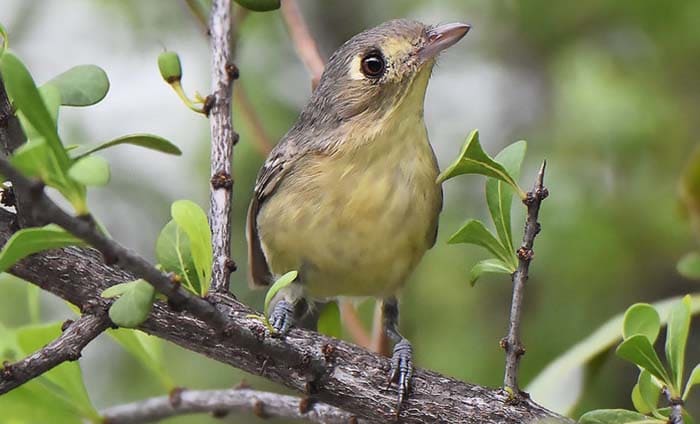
x=115 y=290
x=641 y=318
x=676 y=339
x=134 y=305
x=174 y=255
x=689 y=265
x=148 y=141
x=474 y=232
x=499 y=196
x=36 y=159
x=329 y=321
x=82 y=85
x=646 y=392
x=21 y=88
x=65 y=380
x=5 y=41
x=638 y=350
x=90 y=171
x=693 y=380
x=473 y=160
x=260 y=5
x=281 y=283
x=559 y=386
x=148 y=350
x=489 y=266
x=616 y=416
x=192 y=219
x=32 y=240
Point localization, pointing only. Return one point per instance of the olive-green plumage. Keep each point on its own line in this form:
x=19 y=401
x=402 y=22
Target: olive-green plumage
x=348 y=197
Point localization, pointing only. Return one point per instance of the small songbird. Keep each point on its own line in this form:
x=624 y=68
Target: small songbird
x=348 y=197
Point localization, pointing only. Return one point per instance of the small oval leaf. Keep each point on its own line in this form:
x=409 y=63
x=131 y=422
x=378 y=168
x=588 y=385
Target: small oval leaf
x=193 y=221
x=134 y=305
x=677 y=338
x=90 y=171
x=473 y=160
x=616 y=416
x=32 y=240
x=281 y=283
x=474 y=232
x=489 y=266
x=641 y=318
x=638 y=350
x=148 y=141
x=82 y=85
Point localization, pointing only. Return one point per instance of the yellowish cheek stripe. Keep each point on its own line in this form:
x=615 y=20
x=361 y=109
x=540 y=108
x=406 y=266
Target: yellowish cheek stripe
x=354 y=71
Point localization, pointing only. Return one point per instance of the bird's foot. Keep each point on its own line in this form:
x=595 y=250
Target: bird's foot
x=401 y=370
x=282 y=317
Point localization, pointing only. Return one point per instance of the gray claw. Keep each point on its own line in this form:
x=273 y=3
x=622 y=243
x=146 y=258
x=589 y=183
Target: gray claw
x=282 y=317
x=402 y=369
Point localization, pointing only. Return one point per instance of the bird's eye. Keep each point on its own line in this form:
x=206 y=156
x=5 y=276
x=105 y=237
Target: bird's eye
x=373 y=65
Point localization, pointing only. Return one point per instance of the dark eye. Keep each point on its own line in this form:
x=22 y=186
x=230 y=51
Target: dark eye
x=373 y=65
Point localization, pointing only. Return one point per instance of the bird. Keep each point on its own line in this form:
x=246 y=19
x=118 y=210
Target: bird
x=348 y=197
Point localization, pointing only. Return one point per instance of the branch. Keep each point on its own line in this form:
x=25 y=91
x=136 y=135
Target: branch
x=676 y=415
x=11 y=137
x=221 y=402
x=43 y=209
x=222 y=140
x=332 y=371
x=512 y=344
x=67 y=347
x=303 y=41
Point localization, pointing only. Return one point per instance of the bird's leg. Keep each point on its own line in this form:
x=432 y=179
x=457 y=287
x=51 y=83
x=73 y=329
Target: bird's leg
x=283 y=315
x=402 y=357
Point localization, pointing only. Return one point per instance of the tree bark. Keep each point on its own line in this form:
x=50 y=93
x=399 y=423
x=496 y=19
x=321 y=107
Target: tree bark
x=332 y=371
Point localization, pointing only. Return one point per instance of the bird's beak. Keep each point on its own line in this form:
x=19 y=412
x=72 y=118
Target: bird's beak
x=442 y=37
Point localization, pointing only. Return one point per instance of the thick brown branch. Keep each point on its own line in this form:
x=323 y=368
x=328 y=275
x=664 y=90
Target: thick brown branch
x=512 y=344
x=222 y=402
x=43 y=209
x=304 y=43
x=67 y=347
x=335 y=372
x=222 y=140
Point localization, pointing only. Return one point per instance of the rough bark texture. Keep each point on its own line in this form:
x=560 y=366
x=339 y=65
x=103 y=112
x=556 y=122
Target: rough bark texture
x=67 y=347
x=221 y=402
x=222 y=140
x=334 y=372
x=511 y=343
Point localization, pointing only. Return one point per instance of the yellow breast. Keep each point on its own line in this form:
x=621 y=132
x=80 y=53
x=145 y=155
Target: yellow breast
x=356 y=222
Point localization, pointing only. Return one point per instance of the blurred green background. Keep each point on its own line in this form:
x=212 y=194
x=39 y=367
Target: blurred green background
x=606 y=91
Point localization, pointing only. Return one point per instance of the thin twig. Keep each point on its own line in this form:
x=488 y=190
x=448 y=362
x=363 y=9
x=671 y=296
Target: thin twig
x=304 y=43
x=222 y=140
x=67 y=347
x=676 y=405
x=43 y=209
x=221 y=402
x=512 y=343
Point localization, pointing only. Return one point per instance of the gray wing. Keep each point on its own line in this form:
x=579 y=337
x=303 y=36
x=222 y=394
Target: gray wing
x=273 y=171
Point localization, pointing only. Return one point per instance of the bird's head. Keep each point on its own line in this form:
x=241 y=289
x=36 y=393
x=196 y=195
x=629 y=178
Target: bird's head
x=381 y=69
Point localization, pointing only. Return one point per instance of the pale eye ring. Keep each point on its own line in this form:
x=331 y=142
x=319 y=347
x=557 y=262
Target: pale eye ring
x=373 y=64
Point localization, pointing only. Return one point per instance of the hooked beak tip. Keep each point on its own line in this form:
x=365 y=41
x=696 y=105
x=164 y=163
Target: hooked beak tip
x=442 y=37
